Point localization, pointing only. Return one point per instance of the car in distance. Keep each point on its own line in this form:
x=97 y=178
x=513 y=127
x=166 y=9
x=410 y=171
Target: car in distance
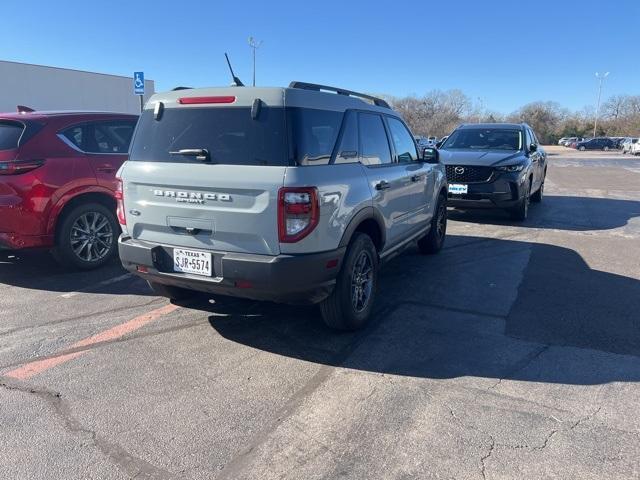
x=57 y=182
x=598 y=143
x=562 y=140
x=293 y=195
x=627 y=145
x=635 y=148
x=494 y=165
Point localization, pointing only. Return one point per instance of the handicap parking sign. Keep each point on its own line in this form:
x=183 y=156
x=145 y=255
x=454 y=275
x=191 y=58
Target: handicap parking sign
x=138 y=83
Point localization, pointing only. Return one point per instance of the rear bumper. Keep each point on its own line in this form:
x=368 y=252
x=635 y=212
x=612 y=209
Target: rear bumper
x=17 y=241
x=298 y=279
x=504 y=192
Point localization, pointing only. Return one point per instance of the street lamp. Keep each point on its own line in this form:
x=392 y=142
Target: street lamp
x=601 y=81
x=254 y=44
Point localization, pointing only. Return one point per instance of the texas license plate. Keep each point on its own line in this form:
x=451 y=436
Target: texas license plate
x=192 y=261
x=458 y=188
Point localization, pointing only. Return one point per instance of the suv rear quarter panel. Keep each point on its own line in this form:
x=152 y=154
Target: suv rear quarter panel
x=343 y=191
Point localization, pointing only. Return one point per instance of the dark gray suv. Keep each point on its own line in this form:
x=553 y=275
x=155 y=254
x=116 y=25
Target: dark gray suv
x=497 y=165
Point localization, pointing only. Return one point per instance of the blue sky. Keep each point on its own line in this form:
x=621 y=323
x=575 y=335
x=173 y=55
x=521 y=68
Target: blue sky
x=503 y=53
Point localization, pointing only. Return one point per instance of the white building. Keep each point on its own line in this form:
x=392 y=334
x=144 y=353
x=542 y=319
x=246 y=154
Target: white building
x=51 y=88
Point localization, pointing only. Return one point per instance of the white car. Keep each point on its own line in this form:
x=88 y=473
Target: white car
x=562 y=140
x=635 y=147
x=628 y=144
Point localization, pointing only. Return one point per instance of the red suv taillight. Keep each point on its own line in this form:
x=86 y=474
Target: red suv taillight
x=119 y=194
x=298 y=213
x=16 y=167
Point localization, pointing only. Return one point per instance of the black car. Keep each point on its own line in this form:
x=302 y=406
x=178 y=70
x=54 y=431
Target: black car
x=599 y=143
x=497 y=165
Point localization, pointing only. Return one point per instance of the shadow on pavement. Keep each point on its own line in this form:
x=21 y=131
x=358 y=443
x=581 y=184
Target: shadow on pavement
x=561 y=213
x=37 y=270
x=560 y=302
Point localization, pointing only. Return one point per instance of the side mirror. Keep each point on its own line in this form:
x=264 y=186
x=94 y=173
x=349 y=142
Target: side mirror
x=430 y=155
x=533 y=147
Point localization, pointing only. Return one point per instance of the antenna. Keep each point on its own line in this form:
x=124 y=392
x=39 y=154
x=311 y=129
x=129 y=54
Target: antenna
x=236 y=81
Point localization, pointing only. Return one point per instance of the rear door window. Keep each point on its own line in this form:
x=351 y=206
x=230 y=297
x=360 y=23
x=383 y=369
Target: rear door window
x=74 y=135
x=108 y=137
x=314 y=134
x=10 y=133
x=374 y=148
x=229 y=134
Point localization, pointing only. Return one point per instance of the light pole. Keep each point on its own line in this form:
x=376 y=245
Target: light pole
x=254 y=44
x=601 y=81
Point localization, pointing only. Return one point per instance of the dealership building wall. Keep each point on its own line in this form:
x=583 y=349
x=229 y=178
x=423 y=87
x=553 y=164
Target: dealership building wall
x=51 y=88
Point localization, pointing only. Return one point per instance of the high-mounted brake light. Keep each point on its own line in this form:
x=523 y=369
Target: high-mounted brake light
x=200 y=100
x=298 y=213
x=17 y=167
x=119 y=194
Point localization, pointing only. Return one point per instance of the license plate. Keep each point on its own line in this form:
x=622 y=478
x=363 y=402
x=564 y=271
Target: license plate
x=458 y=188
x=192 y=261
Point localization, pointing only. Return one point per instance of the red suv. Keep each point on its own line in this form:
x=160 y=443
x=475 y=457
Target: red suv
x=57 y=182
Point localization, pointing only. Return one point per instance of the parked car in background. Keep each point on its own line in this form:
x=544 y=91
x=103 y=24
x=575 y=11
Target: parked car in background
x=635 y=147
x=598 y=143
x=562 y=140
x=627 y=145
x=494 y=165
x=283 y=194
x=431 y=141
x=57 y=182
x=568 y=142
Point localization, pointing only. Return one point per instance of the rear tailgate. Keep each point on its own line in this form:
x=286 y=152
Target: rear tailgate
x=231 y=208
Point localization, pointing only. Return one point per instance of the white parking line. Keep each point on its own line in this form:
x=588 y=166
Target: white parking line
x=108 y=281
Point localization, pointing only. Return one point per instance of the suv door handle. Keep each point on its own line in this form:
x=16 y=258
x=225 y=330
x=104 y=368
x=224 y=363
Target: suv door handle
x=416 y=178
x=106 y=168
x=383 y=185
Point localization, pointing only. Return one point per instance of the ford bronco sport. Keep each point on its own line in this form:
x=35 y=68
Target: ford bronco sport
x=292 y=195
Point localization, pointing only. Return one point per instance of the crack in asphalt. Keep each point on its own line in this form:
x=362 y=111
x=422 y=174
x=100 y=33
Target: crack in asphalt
x=484 y=458
x=132 y=465
x=524 y=363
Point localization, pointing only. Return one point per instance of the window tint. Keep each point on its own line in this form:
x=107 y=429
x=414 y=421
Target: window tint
x=108 y=137
x=373 y=140
x=230 y=135
x=348 y=150
x=402 y=141
x=314 y=134
x=74 y=135
x=10 y=135
x=484 y=139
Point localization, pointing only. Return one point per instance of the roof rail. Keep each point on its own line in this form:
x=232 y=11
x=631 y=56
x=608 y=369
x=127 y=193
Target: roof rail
x=181 y=88
x=24 y=109
x=340 y=91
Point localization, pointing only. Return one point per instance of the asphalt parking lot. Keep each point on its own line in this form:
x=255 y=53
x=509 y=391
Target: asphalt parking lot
x=514 y=353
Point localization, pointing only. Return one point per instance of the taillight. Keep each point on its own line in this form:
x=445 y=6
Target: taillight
x=298 y=213
x=119 y=194
x=16 y=167
x=202 y=100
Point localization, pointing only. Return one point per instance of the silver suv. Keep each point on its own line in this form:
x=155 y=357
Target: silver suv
x=293 y=195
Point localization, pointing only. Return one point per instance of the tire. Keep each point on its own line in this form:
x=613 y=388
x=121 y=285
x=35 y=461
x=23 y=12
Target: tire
x=87 y=237
x=521 y=211
x=433 y=241
x=537 y=197
x=582 y=149
x=347 y=308
x=172 y=293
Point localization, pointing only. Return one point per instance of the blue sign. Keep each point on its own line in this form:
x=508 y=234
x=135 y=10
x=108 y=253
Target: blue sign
x=138 y=83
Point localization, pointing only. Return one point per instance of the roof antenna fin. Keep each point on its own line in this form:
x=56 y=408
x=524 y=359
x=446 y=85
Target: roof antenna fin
x=236 y=80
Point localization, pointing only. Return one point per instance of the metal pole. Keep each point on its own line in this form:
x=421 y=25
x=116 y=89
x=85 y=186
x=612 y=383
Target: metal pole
x=601 y=80
x=254 y=44
x=141 y=103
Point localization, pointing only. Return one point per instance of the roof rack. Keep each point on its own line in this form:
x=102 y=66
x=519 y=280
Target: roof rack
x=340 y=91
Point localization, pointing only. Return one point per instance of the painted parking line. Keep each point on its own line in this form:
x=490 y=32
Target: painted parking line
x=30 y=369
x=108 y=281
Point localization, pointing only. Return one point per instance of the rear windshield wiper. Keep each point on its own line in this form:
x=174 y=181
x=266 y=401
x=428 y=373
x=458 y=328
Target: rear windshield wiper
x=201 y=154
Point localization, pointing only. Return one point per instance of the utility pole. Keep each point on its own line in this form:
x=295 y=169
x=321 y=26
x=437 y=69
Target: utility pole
x=254 y=44
x=600 y=81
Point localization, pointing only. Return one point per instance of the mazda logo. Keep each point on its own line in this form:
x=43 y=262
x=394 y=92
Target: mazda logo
x=459 y=170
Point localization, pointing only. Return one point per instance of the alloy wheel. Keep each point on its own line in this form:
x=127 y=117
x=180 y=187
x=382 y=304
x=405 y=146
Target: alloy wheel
x=361 y=281
x=91 y=236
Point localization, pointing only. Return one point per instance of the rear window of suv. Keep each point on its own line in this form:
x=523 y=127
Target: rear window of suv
x=230 y=134
x=10 y=133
